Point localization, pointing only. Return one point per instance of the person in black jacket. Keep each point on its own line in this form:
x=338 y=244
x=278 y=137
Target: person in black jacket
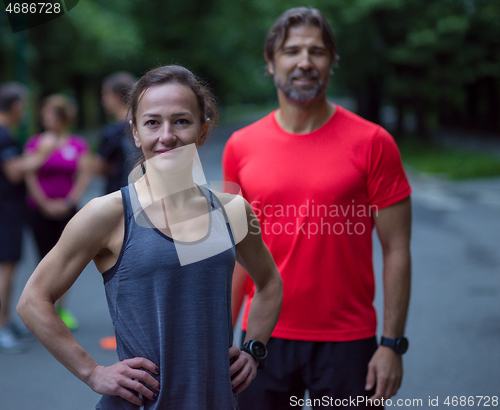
x=116 y=154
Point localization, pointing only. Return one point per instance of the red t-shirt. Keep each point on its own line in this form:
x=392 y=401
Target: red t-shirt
x=315 y=195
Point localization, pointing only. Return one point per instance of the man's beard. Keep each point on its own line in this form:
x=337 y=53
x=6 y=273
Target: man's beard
x=304 y=94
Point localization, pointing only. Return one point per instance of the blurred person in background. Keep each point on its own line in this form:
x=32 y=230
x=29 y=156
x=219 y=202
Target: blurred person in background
x=55 y=189
x=320 y=178
x=13 y=167
x=117 y=153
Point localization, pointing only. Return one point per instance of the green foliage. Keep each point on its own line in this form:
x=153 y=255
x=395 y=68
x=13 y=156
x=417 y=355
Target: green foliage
x=104 y=34
x=440 y=55
x=454 y=164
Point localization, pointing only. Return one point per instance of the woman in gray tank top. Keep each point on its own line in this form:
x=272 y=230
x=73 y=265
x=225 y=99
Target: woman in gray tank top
x=166 y=246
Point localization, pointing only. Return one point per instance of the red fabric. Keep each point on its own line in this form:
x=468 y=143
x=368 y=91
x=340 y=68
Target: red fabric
x=315 y=195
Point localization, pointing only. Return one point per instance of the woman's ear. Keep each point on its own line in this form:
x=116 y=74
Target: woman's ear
x=135 y=134
x=204 y=133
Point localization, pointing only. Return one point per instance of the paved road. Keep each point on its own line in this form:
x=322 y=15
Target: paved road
x=454 y=319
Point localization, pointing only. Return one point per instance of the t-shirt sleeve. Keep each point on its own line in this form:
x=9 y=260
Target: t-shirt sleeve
x=387 y=183
x=230 y=163
x=8 y=148
x=108 y=144
x=82 y=146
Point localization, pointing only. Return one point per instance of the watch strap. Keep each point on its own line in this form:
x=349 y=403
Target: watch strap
x=399 y=345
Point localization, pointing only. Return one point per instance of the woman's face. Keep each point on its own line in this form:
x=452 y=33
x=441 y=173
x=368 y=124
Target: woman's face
x=167 y=119
x=50 y=120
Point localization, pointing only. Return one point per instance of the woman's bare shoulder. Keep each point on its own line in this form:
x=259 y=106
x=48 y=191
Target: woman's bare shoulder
x=100 y=215
x=92 y=228
x=107 y=206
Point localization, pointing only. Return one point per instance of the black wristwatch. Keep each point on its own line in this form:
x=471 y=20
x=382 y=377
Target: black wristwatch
x=399 y=345
x=257 y=350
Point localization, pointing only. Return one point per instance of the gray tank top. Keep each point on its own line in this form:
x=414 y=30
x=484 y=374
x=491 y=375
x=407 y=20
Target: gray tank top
x=176 y=315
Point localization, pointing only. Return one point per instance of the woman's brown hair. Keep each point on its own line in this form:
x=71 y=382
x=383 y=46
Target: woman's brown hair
x=65 y=109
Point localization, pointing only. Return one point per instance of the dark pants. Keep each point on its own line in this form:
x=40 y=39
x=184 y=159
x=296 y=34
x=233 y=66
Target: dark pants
x=12 y=220
x=47 y=231
x=331 y=371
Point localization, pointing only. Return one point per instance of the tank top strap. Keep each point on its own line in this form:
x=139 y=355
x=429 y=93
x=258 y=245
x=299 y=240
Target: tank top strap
x=217 y=205
x=127 y=216
x=127 y=203
x=208 y=194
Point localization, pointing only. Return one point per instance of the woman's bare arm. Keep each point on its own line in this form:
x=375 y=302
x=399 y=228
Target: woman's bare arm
x=16 y=167
x=35 y=190
x=87 y=234
x=255 y=258
x=83 y=174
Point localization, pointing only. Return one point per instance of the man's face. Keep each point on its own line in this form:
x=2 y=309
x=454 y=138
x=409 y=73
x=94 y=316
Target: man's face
x=301 y=68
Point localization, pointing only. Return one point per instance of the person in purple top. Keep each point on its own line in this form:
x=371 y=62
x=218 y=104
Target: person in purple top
x=55 y=189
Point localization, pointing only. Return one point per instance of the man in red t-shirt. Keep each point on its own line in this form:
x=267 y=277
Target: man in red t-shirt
x=320 y=178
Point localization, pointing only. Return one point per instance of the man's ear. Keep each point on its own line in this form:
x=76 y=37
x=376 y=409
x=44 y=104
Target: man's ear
x=270 y=65
x=204 y=133
x=135 y=134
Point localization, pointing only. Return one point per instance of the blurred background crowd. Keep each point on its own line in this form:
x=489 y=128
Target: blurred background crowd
x=41 y=185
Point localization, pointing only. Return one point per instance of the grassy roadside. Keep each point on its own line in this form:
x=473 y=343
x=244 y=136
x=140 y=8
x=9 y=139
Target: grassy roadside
x=248 y=113
x=454 y=164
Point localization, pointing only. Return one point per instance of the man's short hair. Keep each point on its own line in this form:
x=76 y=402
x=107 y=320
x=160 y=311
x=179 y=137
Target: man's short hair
x=299 y=16
x=120 y=83
x=10 y=93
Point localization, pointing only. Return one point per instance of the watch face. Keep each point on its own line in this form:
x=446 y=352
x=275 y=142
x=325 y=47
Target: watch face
x=402 y=345
x=259 y=349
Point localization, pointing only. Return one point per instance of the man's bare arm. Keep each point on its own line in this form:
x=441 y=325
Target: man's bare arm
x=238 y=291
x=393 y=224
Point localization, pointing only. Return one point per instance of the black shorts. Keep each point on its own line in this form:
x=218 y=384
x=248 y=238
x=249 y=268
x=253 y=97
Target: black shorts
x=12 y=220
x=333 y=372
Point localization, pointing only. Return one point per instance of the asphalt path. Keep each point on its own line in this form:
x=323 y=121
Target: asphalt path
x=453 y=324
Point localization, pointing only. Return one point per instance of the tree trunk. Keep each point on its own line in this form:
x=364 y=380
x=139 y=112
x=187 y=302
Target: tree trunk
x=419 y=108
x=492 y=105
x=400 y=126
